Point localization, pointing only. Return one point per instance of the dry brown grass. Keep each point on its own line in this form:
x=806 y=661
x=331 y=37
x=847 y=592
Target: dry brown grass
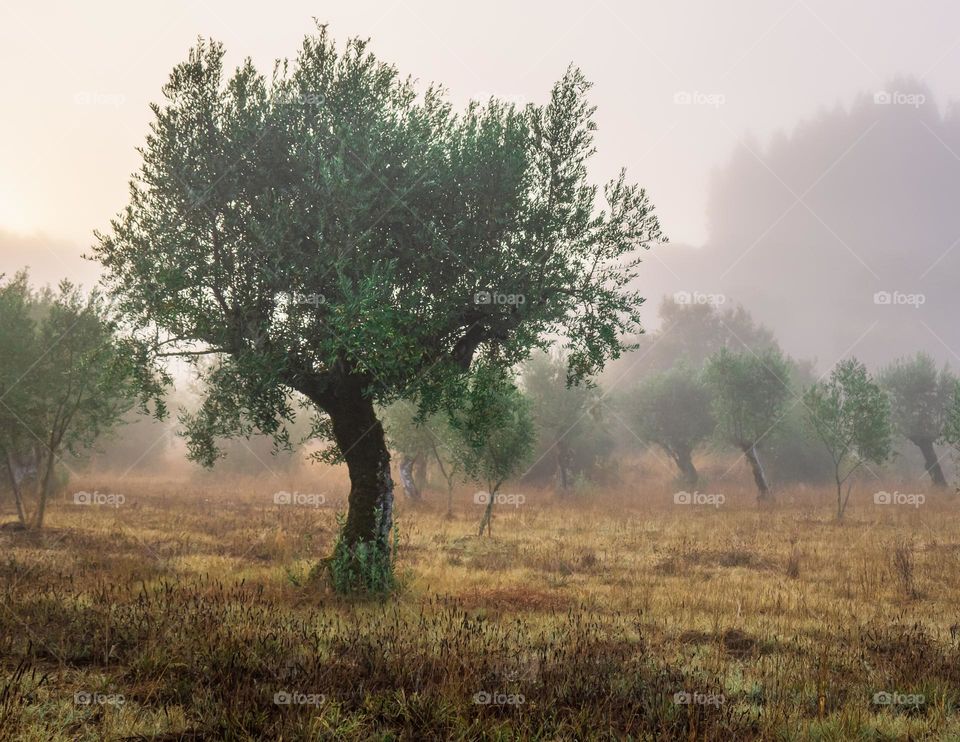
x=194 y=601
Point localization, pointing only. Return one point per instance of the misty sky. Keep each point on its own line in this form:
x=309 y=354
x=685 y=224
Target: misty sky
x=78 y=78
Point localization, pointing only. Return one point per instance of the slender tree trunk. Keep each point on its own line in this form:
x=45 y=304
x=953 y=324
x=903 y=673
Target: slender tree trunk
x=763 y=489
x=688 y=472
x=15 y=488
x=448 y=478
x=420 y=472
x=487 y=520
x=563 y=469
x=44 y=488
x=360 y=437
x=931 y=462
x=841 y=505
x=407 y=477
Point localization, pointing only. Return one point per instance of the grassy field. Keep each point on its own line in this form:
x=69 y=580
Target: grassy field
x=188 y=611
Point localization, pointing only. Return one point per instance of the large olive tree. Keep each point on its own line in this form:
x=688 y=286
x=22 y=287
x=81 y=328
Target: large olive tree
x=331 y=231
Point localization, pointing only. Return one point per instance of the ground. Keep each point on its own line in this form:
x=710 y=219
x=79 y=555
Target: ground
x=191 y=610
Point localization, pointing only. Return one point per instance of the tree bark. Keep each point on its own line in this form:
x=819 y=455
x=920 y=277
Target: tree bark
x=44 y=489
x=408 y=478
x=759 y=478
x=15 y=488
x=841 y=505
x=360 y=438
x=931 y=462
x=420 y=472
x=684 y=461
x=563 y=469
x=487 y=520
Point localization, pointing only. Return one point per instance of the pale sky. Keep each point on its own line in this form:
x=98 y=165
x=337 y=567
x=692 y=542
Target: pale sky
x=78 y=77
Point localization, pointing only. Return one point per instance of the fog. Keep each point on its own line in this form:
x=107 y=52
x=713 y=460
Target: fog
x=816 y=229
x=417 y=370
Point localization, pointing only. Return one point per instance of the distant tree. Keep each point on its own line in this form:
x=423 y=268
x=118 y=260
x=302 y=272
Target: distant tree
x=332 y=232
x=64 y=382
x=566 y=416
x=791 y=454
x=951 y=425
x=17 y=335
x=692 y=332
x=672 y=410
x=749 y=394
x=850 y=413
x=495 y=433
x=689 y=333
x=445 y=443
x=920 y=395
x=409 y=435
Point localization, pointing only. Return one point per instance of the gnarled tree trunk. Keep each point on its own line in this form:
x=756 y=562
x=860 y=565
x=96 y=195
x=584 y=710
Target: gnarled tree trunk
x=931 y=462
x=684 y=460
x=759 y=477
x=408 y=478
x=360 y=438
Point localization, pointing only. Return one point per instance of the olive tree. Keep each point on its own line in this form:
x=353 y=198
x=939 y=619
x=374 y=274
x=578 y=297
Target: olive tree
x=332 y=231
x=495 y=435
x=409 y=435
x=17 y=333
x=850 y=413
x=749 y=395
x=673 y=411
x=920 y=395
x=445 y=446
x=64 y=382
x=418 y=439
x=567 y=417
x=951 y=425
